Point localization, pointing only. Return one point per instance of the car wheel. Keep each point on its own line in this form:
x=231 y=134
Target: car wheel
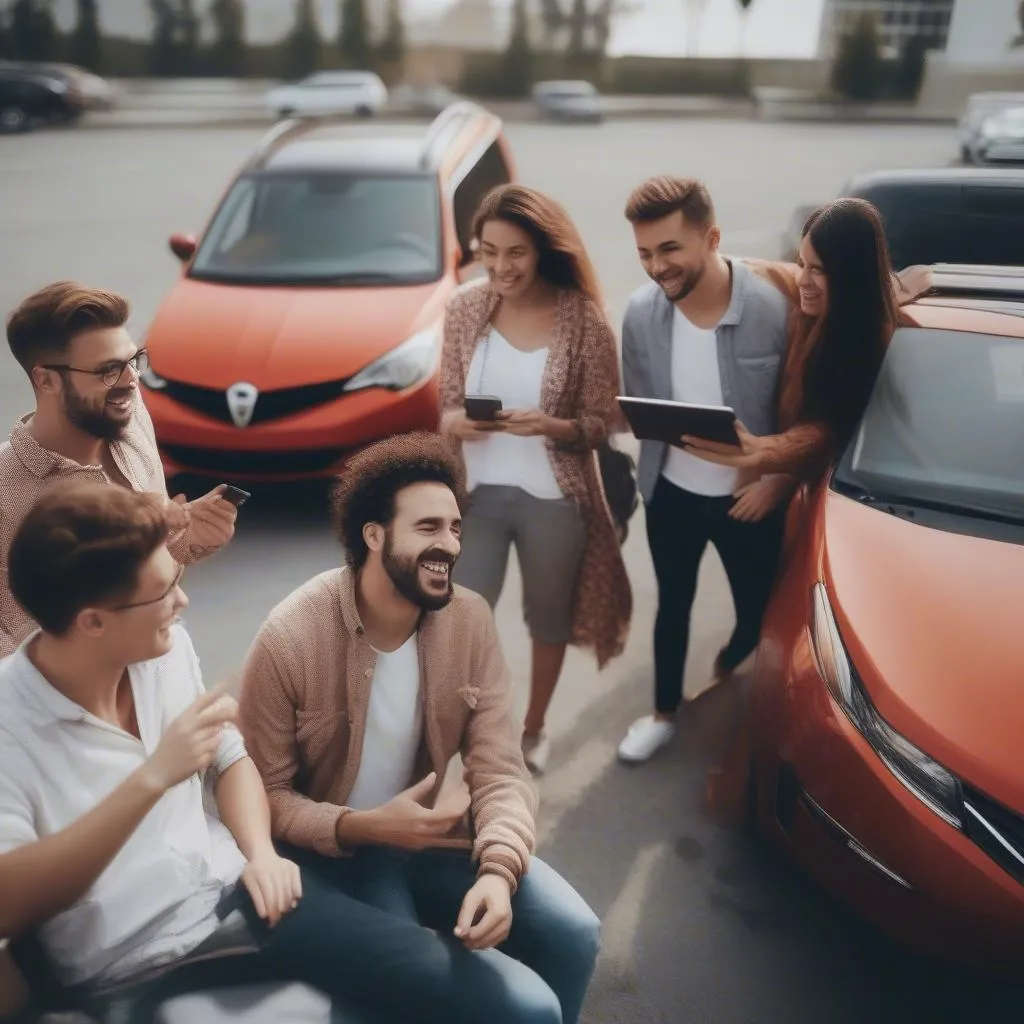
x=285 y=112
x=364 y=111
x=13 y=119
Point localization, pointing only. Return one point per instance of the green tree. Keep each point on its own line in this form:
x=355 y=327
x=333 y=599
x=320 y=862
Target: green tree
x=5 y=35
x=910 y=67
x=392 y=46
x=858 y=67
x=187 y=37
x=85 y=47
x=304 y=42
x=1019 y=41
x=517 y=61
x=33 y=32
x=228 y=53
x=354 y=34
x=174 y=48
x=579 y=19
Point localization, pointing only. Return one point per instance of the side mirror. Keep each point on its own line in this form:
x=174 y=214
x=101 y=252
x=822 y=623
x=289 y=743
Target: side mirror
x=183 y=246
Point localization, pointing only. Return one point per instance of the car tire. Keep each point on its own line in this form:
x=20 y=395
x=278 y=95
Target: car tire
x=364 y=111
x=284 y=113
x=13 y=119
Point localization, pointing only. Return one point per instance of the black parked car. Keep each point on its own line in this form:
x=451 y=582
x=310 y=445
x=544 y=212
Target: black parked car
x=947 y=215
x=27 y=99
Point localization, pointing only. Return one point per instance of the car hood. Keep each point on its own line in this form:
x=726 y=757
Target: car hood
x=214 y=335
x=932 y=622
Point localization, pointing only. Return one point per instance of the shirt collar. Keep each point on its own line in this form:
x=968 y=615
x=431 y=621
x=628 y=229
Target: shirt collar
x=36 y=695
x=39 y=461
x=740 y=282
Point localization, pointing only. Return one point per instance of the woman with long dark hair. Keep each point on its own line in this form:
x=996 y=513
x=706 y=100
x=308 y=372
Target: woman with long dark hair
x=534 y=336
x=846 y=302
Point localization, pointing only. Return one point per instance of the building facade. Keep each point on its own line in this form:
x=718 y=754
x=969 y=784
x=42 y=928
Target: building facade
x=898 y=21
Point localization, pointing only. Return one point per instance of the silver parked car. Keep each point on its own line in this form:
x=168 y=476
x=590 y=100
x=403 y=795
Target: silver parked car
x=981 y=106
x=568 y=101
x=1000 y=138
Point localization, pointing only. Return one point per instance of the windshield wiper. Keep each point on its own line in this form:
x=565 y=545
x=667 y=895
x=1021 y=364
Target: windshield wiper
x=900 y=504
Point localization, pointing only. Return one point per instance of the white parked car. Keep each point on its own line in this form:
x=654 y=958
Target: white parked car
x=980 y=106
x=568 y=101
x=329 y=92
x=1001 y=138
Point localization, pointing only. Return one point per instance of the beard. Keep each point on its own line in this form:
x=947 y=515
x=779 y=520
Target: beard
x=104 y=422
x=687 y=281
x=404 y=573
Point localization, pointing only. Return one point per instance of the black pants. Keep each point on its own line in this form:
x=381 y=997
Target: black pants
x=679 y=526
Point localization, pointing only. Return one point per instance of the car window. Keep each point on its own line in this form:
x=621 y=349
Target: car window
x=489 y=172
x=957 y=224
x=321 y=228
x=945 y=423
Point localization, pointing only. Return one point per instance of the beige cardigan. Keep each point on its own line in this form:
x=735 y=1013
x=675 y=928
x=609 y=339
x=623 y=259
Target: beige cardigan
x=305 y=696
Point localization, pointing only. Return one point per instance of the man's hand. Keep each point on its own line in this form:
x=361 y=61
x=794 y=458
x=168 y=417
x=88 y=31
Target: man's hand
x=760 y=498
x=274 y=885
x=211 y=518
x=525 y=422
x=404 y=822
x=189 y=744
x=746 y=455
x=486 y=915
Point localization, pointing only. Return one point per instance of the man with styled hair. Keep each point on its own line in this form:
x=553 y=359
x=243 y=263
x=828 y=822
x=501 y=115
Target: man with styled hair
x=707 y=330
x=358 y=692
x=89 y=424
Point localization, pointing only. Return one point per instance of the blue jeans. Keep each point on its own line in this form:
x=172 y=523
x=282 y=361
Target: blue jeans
x=544 y=966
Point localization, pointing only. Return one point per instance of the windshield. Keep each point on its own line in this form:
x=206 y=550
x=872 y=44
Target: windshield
x=945 y=426
x=975 y=224
x=323 y=228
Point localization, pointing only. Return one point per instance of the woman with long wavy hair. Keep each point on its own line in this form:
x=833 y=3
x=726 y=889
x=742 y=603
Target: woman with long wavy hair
x=534 y=336
x=846 y=302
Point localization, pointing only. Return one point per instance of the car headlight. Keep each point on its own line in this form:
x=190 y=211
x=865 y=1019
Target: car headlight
x=414 y=360
x=152 y=380
x=932 y=784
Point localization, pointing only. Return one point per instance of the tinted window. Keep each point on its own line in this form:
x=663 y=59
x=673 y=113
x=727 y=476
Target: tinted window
x=490 y=171
x=945 y=423
x=953 y=224
x=322 y=228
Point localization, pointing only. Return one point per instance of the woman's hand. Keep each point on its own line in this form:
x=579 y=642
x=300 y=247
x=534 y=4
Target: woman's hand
x=525 y=422
x=458 y=424
x=759 y=499
x=747 y=455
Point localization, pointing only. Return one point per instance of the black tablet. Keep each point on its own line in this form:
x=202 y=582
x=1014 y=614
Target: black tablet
x=653 y=419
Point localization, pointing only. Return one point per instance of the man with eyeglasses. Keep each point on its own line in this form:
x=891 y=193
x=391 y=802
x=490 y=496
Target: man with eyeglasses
x=89 y=424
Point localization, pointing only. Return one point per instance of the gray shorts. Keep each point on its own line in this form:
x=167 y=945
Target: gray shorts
x=550 y=537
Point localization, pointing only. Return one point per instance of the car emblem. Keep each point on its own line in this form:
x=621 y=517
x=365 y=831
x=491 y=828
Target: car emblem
x=242 y=402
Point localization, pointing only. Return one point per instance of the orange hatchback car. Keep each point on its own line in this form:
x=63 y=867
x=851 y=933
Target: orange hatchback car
x=307 y=322
x=888 y=695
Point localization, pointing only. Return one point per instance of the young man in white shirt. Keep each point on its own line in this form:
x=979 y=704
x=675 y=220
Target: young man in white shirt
x=707 y=331
x=106 y=852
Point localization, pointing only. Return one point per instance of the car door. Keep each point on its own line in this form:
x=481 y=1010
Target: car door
x=490 y=170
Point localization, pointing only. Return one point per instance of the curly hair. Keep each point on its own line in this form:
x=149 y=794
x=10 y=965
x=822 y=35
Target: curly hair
x=366 y=490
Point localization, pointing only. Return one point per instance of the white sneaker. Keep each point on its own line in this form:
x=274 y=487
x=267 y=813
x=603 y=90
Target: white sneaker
x=645 y=738
x=536 y=750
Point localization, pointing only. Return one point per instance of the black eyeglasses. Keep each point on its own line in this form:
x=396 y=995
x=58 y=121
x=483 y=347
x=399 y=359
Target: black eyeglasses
x=153 y=600
x=111 y=373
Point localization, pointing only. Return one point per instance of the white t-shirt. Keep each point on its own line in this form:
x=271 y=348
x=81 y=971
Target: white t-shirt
x=504 y=460
x=394 y=727
x=155 y=901
x=696 y=379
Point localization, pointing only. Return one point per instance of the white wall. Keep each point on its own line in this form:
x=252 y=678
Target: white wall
x=981 y=32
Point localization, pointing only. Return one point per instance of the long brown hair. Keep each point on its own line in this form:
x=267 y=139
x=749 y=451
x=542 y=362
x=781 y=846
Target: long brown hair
x=563 y=259
x=842 y=351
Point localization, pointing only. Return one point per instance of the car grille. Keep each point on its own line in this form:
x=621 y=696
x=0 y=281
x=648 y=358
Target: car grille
x=997 y=830
x=270 y=405
x=226 y=463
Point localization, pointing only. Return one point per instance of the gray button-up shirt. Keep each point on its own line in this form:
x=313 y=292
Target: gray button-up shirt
x=752 y=339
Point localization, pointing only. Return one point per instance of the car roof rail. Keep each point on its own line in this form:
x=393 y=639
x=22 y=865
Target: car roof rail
x=282 y=130
x=970 y=279
x=447 y=125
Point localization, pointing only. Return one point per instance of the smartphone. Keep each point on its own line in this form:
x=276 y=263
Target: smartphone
x=235 y=495
x=482 y=408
